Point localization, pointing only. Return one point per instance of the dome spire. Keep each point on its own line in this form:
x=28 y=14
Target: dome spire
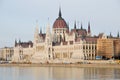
x=60 y=14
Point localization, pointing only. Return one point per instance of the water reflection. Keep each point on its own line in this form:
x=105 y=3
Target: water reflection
x=58 y=73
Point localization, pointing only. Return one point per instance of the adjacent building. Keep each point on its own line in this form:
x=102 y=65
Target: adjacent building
x=108 y=47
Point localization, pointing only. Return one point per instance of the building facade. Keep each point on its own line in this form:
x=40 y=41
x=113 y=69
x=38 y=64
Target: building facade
x=62 y=45
x=6 y=53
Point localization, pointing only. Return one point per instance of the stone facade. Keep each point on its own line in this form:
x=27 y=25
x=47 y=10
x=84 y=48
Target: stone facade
x=6 y=53
x=62 y=45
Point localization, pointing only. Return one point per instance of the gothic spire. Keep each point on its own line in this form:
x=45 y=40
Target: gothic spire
x=15 y=42
x=60 y=14
x=118 y=35
x=81 y=26
x=36 y=29
x=75 y=25
x=19 y=42
x=68 y=25
x=89 y=30
x=110 y=35
x=40 y=31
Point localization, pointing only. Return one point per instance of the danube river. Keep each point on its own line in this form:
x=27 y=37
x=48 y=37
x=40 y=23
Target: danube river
x=58 y=73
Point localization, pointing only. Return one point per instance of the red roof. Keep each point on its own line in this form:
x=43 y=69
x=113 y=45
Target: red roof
x=60 y=23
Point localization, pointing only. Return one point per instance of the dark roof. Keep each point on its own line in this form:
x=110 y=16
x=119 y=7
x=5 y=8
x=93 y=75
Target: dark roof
x=80 y=31
x=42 y=36
x=25 y=44
x=56 y=43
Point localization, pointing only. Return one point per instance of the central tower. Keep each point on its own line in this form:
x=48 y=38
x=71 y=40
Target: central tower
x=60 y=27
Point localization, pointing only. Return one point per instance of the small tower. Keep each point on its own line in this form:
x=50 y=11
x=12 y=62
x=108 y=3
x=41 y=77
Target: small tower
x=15 y=42
x=48 y=35
x=40 y=31
x=36 y=34
x=89 y=30
x=110 y=35
x=118 y=36
x=48 y=43
x=75 y=25
x=81 y=26
x=19 y=42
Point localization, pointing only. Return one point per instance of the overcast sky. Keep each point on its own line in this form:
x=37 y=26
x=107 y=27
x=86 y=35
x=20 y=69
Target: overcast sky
x=18 y=17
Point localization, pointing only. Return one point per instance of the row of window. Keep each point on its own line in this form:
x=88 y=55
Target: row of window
x=89 y=47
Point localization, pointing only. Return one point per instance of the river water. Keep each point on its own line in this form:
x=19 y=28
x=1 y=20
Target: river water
x=58 y=73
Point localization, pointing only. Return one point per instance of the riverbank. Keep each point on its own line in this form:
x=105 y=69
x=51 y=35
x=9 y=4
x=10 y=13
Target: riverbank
x=63 y=65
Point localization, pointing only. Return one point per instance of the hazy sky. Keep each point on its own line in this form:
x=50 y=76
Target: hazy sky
x=18 y=17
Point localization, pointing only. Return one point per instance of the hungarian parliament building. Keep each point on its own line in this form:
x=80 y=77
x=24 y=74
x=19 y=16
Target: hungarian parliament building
x=63 y=45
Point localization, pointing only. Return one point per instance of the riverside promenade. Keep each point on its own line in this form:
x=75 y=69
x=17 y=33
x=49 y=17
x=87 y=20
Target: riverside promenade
x=63 y=65
x=85 y=63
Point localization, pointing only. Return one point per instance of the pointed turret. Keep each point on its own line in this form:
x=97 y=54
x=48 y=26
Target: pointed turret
x=118 y=36
x=75 y=25
x=36 y=34
x=15 y=42
x=68 y=25
x=48 y=35
x=110 y=35
x=81 y=26
x=37 y=30
x=40 y=31
x=19 y=42
x=89 y=30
